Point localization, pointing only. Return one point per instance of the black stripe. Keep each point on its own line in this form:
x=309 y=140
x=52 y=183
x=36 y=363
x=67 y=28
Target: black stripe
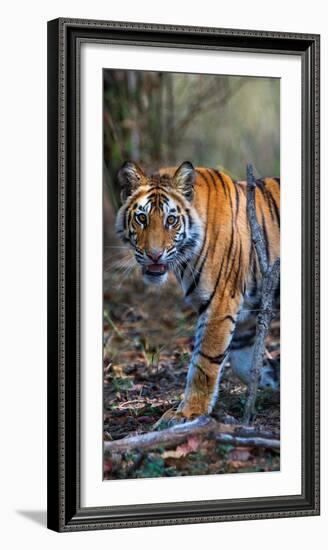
x=277 y=296
x=222 y=181
x=237 y=274
x=271 y=207
x=209 y=171
x=260 y=184
x=199 y=367
x=183 y=267
x=266 y=239
x=206 y=225
x=196 y=278
x=268 y=196
x=187 y=245
x=229 y=263
x=169 y=249
x=246 y=335
x=230 y=200
x=277 y=180
x=230 y=319
x=149 y=201
x=237 y=199
x=233 y=229
x=217 y=224
x=275 y=207
x=200 y=326
x=190 y=222
x=244 y=340
x=158 y=195
x=217 y=358
x=206 y=304
x=236 y=346
x=226 y=186
x=151 y=197
x=253 y=267
x=232 y=238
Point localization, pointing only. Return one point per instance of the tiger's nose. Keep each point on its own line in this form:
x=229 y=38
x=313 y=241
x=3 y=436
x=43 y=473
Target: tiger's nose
x=154 y=255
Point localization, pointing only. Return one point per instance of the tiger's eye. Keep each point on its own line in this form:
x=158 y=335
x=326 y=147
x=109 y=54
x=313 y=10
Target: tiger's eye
x=171 y=220
x=142 y=218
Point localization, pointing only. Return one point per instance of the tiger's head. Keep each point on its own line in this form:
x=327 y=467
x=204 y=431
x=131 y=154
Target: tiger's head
x=157 y=218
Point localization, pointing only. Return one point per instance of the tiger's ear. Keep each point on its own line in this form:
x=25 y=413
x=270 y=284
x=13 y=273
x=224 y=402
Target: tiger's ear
x=184 y=179
x=130 y=176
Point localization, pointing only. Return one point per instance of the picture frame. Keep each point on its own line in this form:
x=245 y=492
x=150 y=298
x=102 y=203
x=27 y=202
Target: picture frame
x=65 y=512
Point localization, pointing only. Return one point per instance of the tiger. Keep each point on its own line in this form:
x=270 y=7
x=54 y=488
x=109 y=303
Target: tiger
x=193 y=222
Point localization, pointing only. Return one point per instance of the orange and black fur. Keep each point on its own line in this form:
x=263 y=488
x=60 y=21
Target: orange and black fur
x=193 y=222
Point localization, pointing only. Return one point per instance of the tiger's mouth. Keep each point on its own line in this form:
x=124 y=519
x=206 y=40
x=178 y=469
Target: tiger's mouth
x=155 y=270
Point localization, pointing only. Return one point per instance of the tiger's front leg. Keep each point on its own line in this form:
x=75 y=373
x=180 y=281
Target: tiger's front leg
x=213 y=336
x=214 y=332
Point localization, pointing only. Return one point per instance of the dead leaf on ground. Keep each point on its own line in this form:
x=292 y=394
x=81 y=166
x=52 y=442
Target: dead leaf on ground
x=240 y=454
x=184 y=449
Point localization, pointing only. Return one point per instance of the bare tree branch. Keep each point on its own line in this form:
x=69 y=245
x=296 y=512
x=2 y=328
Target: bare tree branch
x=256 y=229
x=202 y=426
x=199 y=104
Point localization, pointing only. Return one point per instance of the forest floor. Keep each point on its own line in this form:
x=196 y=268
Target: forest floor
x=148 y=339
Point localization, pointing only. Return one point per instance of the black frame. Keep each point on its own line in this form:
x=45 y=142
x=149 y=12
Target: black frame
x=64 y=41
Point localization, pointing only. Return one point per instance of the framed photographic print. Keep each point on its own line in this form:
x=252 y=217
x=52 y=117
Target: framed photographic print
x=183 y=274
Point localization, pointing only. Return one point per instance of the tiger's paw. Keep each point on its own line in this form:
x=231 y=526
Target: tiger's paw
x=170 y=418
x=182 y=414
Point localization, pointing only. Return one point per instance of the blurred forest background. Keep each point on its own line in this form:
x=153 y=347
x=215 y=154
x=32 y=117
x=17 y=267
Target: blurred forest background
x=163 y=119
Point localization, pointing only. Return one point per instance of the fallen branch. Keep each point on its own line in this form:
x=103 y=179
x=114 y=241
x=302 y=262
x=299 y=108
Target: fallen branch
x=202 y=426
x=237 y=441
x=270 y=280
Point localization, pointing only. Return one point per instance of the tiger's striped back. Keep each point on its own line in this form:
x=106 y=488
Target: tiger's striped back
x=226 y=261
